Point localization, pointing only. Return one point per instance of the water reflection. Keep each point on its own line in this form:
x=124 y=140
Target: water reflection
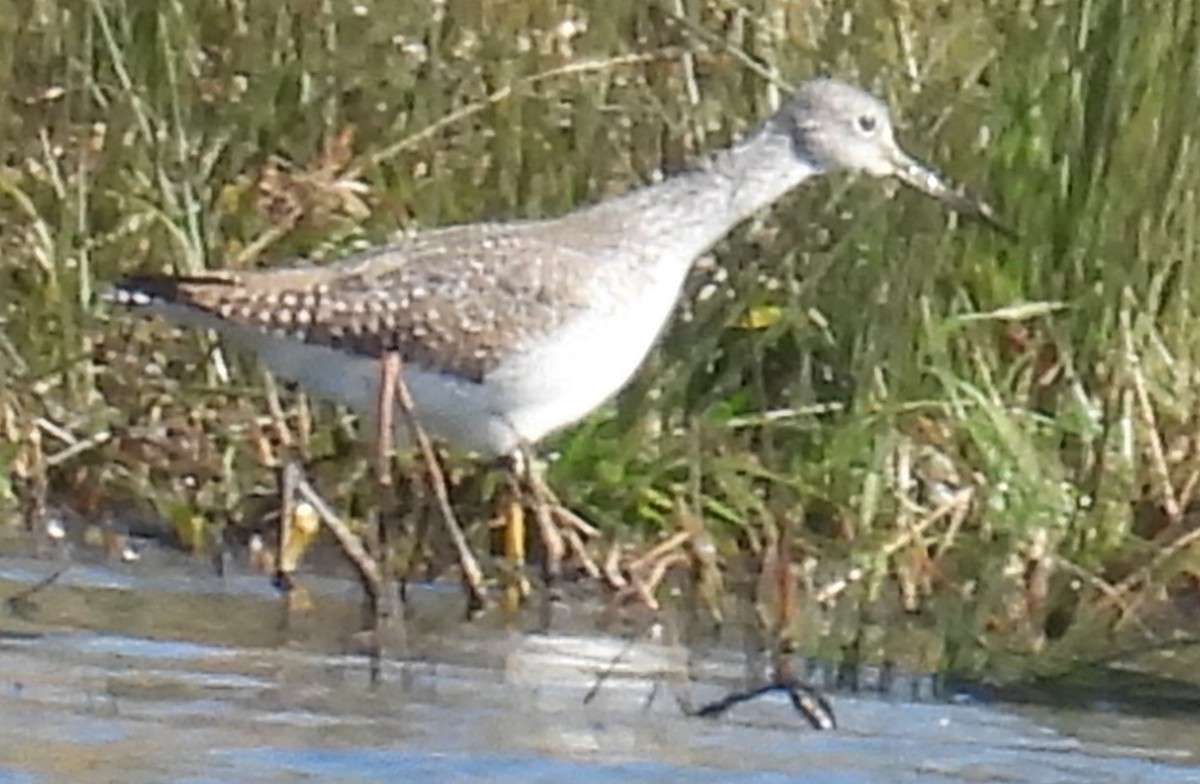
x=110 y=675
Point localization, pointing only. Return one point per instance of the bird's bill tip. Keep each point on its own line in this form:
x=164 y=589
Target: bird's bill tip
x=920 y=177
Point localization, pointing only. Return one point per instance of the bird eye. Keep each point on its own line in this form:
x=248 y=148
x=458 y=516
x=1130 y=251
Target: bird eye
x=867 y=123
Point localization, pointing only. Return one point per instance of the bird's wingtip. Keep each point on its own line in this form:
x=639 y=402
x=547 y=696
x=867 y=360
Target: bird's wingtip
x=138 y=291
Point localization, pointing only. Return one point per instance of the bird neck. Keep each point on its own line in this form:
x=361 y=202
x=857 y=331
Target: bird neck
x=671 y=223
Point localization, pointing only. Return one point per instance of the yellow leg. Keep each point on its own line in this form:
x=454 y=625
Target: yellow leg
x=512 y=520
x=298 y=526
x=514 y=530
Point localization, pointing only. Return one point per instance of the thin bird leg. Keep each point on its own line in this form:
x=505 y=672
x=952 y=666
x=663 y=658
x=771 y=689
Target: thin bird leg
x=389 y=374
x=472 y=575
x=288 y=481
x=511 y=518
x=543 y=503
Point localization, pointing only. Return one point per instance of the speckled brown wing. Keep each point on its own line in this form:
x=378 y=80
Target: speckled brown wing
x=436 y=297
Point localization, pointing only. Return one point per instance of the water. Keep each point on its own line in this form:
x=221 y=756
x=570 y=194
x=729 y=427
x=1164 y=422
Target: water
x=110 y=675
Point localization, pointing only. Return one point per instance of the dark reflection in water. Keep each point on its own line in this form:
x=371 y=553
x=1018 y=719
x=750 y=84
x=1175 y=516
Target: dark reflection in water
x=110 y=675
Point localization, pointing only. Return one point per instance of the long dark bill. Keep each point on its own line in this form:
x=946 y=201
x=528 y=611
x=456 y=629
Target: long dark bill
x=920 y=177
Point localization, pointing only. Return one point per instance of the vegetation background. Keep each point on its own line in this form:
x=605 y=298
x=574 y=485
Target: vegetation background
x=973 y=450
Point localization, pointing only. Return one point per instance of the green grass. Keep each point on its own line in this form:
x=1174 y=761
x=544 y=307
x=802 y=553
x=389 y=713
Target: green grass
x=1003 y=432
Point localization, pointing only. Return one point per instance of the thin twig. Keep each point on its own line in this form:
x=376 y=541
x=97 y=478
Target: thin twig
x=612 y=569
x=1112 y=596
x=578 y=549
x=807 y=701
x=603 y=676
x=552 y=540
x=1143 y=574
x=1158 y=459
x=350 y=542
x=569 y=519
x=543 y=504
x=747 y=60
x=79 y=447
x=496 y=96
x=660 y=550
x=957 y=501
x=21 y=602
x=645 y=586
x=472 y=575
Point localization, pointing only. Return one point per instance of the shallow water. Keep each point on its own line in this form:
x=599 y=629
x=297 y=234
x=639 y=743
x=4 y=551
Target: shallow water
x=111 y=674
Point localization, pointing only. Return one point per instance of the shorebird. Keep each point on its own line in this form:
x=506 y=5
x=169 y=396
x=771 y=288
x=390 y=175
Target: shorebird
x=510 y=331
